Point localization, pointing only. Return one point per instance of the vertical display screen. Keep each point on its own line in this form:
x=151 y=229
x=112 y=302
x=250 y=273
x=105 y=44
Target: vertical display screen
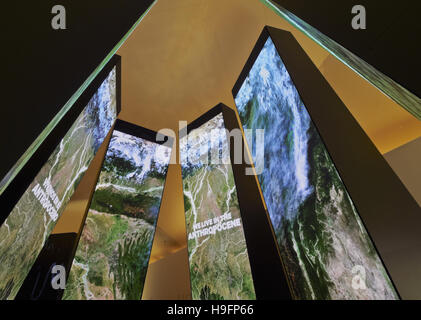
x=24 y=232
x=325 y=248
x=218 y=256
x=114 y=248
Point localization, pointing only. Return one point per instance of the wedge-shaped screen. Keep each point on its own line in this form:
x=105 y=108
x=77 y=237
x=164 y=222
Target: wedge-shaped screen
x=27 y=227
x=218 y=256
x=114 y=248
x=325 y=248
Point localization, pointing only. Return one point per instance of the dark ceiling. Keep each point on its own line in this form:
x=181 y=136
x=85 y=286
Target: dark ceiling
x=45 y=67
x=390 y=42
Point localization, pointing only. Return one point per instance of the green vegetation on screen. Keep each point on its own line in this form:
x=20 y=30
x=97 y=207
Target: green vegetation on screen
x=113 y=252
x=218 y=256
x=24 y=232
x=325 y=248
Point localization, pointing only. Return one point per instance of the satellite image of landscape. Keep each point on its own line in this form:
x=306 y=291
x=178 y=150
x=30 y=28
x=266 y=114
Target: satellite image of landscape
x=24 y=232
x=113 y=252
x=218 y=256
x=322 y=240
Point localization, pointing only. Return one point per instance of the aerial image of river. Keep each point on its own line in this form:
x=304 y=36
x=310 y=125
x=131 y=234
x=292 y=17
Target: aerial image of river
x=113 y=252
x=25 y=231
x=323 y=243
x=218 y=256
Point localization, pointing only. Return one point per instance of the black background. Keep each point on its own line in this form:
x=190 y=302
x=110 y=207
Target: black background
x=262 y=309
x=42 y=68
x=391 y=43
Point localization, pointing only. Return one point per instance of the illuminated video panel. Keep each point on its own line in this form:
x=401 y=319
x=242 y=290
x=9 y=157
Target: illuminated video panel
x=27 y=227
x=325 y=248
x=218 y=256
x=112 y=256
